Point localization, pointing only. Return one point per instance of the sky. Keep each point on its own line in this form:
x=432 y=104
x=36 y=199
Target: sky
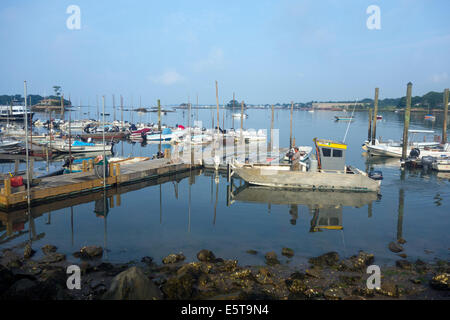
x=264 y=51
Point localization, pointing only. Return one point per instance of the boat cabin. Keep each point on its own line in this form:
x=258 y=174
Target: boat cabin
x=330 y=155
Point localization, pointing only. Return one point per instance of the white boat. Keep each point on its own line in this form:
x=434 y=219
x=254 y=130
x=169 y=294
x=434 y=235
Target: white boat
x=79 y=146
x=391 y=148
x=442 y=165
x=14 y=112
x=238 y=115
x=7 y=144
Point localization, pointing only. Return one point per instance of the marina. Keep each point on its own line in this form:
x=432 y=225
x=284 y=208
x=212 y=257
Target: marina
x=222 y=151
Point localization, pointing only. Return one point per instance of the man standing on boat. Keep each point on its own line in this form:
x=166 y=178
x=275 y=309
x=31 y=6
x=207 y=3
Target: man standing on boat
x=295 y=159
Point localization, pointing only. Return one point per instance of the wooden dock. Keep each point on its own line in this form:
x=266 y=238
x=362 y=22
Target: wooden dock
x=67 y=185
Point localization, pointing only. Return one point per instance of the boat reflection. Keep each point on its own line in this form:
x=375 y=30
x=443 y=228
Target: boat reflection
x=326 y=207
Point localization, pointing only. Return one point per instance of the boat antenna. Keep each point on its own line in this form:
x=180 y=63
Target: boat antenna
x=351 y=117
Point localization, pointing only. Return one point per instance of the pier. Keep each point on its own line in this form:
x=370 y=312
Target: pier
x=69 y=185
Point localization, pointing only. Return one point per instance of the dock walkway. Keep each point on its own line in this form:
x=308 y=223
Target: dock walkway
x=57 y=187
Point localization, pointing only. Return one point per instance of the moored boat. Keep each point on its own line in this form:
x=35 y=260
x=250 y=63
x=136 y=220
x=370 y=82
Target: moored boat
x=328 y=172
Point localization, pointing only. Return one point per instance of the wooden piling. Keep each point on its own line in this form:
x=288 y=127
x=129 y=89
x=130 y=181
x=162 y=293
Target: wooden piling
x=271 y=132
x=375 y=114
x=407 y=118
x=369 y=135
x=242 y=118
x=217 y=103
x=290 y=135
x=444 y=125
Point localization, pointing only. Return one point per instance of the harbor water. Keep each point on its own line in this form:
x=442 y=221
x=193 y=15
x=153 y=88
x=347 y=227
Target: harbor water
x=186 y=214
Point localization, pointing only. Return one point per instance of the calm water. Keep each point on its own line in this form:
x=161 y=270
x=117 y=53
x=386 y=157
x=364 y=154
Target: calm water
x=177 y=216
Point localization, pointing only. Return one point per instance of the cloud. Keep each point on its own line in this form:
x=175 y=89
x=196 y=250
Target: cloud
x=167 y=78
x=439 y=77
x=213 y=60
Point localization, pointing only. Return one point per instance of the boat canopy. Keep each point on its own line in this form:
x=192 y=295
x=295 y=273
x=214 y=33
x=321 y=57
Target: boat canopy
x=420 y=131
x=331 y=154
x=166 y=131
x=78 y=143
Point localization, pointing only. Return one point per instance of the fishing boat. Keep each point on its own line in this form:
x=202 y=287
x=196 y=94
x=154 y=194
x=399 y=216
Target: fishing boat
x=140 y=134
x=166 y=135
x=328 y=172
x=337 y=118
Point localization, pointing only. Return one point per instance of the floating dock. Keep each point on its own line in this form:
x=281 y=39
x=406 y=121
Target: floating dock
x=68 y=185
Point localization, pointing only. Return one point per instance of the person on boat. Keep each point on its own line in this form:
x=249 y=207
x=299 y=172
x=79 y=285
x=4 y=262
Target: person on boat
x=295 y=159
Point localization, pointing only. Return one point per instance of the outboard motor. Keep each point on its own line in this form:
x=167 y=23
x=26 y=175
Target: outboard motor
x=427 y=161
x=414 y=154
x=376 y=175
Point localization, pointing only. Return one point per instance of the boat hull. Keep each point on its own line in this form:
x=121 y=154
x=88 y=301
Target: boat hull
x=307 y=180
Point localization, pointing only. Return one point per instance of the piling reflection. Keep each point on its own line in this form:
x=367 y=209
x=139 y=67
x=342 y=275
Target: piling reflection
x=18 y=223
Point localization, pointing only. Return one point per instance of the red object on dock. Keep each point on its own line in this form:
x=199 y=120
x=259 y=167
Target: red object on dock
x=16 y=181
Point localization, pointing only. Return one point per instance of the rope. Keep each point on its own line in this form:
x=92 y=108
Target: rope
x=351 y=117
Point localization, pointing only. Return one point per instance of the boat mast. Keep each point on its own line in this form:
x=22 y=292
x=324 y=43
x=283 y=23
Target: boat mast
x=26 y=146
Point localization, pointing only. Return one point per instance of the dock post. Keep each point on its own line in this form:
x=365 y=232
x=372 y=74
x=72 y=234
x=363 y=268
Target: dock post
x=407 y=118
x=217 y=102
x=7 y=183
x=290 y=135
x=271 y=132
x=369 y=135
x=84 y=166
x=16 y=166
x=31 y=168
x=242 y=119
x=375 y=114
x=444 y=125
x=91 y=164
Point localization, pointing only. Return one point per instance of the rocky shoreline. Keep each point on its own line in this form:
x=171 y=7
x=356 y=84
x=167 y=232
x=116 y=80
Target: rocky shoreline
x=325 y=277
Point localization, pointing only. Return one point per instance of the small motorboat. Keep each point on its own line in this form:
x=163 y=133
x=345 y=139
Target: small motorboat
x=379 y=117
x=337 y=118
x=430 y=117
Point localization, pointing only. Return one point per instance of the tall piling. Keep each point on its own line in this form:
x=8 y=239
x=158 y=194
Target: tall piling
x=217 y=103
x=290 y=135
x=407 y=118
x=375 y=113
x=444 y=125
x=369 y=134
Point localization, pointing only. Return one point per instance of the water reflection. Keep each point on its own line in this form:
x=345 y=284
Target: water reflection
x=325 y=207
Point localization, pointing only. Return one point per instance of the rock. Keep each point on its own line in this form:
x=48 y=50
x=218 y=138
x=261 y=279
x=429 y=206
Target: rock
x=395 y=247
x=403 y=264
x=389 y=289
x=357 y=263
x=147 y=260
x=132 y=284
x=334 y=294
x=173 y=258
x=90 y=252
x=6 y=278
x=295 y=286
x=440 y=282
x=28 y=252
x=252 y=252
x=328 y=259
x=401 y=241
x=24 y=289
x=48 y=248
x=180 y=287
x=206 y=256
x=271 y=258
x=350 y=280
x=53 y=258
x=298 y=275
x=11 y=259
x=403 y=255
x=287 y=252
x=313 y=273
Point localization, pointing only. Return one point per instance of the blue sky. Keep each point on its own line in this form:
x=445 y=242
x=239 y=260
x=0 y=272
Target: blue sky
x=265 y=51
